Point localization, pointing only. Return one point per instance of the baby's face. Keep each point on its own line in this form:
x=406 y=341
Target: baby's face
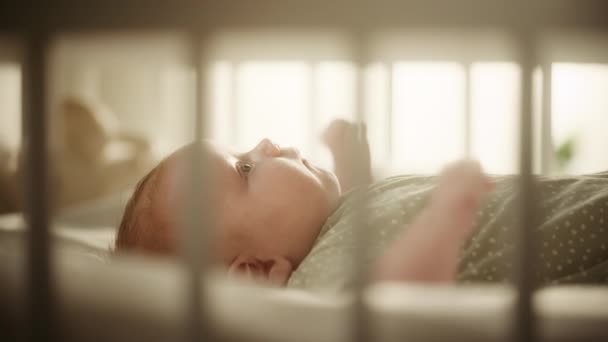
x=270 y=201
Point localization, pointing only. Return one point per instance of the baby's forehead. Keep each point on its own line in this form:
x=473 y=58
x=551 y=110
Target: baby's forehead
x=181 y=164
x=175 y=172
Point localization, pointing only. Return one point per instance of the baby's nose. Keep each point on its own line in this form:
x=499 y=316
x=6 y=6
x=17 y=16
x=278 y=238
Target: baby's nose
x=269 y=148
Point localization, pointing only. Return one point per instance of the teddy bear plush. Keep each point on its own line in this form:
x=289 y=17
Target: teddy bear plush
x=91 y=157
x=97 y=157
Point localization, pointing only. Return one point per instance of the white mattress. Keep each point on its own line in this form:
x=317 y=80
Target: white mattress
x=142 y=299
x=89 y=226
x=91 y=241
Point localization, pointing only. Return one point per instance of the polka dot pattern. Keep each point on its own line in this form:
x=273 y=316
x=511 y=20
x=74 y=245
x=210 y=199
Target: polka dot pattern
x=572 y=232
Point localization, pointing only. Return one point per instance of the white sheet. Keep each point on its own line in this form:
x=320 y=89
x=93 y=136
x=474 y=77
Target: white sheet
x=126 y=299
x=99 y=238
x=143 y=299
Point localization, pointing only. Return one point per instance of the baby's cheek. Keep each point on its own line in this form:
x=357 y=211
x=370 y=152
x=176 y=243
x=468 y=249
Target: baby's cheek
x=289 y=185
x=289 y=175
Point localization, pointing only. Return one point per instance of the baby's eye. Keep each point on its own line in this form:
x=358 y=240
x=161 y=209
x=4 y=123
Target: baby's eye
x=244 y=168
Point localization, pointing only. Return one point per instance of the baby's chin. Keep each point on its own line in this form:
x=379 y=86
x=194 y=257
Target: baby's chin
x=332 y=186
x=328 y=179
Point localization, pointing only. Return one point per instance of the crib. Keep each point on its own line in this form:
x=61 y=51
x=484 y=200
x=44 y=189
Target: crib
x=50 y=295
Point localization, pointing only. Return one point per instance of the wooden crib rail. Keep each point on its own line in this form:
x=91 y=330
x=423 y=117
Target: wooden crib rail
x=71 y=15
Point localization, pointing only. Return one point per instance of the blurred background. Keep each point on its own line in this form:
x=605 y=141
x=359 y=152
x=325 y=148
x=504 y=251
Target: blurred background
x=126 y=100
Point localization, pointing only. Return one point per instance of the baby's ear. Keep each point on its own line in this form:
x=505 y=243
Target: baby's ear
x=279 y=271
x=274 y=271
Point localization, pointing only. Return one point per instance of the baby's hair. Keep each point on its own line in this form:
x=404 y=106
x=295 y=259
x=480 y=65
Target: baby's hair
x=136 y=230
x=142 y=228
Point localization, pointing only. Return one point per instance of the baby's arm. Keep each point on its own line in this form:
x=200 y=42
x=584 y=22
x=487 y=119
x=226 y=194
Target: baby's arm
x=344 y=139
x=428 y=250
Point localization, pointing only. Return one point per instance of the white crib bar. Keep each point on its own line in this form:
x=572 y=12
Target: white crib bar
x=468 y=111
x=523 y=315
x=547 y=157
x=390 y=107
x=36 y=204
x=360 y=330
x=234 y=99
x=198 y=229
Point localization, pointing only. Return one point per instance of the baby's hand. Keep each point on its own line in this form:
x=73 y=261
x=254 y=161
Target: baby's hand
x=343 y=138
x=462 y=183
x=428 y=251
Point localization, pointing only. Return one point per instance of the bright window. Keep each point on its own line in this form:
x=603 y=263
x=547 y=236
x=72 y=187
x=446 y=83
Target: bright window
x=290 y=102
x=288 y=87
x=415 y=111
x=580 y=116
x=495 y=116
x=428 y=113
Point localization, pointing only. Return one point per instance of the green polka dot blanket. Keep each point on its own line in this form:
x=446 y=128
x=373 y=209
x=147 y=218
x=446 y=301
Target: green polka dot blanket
x=572 y=231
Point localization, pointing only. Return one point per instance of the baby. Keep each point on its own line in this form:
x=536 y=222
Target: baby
x=271 y=203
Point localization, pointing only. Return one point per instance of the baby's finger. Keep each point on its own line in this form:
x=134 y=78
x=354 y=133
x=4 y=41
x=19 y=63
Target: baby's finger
x=351 y=137
x=334 y=131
